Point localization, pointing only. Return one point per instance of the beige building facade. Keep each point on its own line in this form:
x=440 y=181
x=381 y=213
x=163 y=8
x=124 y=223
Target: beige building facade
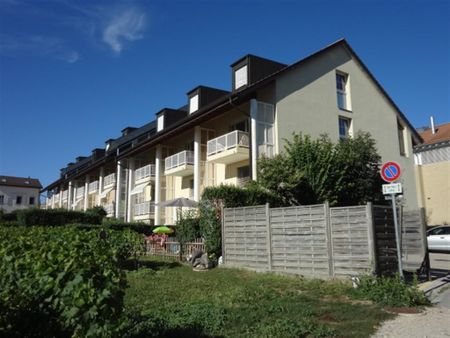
x=219 y=135
x=432 y=160
x=18 y=193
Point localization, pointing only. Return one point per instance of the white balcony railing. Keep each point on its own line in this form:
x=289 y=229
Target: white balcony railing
x=109 y=208
x=144 y=172
x=65 y=193
x=109 y=180
x=80 y=192
x=241 y=181
x=93 y=186
x=144 y=208
x=56 y=198
x=181 y=158
x=227 y=141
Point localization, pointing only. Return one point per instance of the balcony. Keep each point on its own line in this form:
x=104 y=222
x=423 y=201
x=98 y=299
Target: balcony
x=109 y=180
x=144 y=173
x=65 y=193
x=109 y=208
x=93 y=187
x=80 y=193
x=229 y=148
x=180 y=164
x=145 y=208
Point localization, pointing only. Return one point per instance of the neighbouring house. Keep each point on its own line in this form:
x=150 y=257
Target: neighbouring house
x=218 y=136
x=432 y=159
x=19 y=193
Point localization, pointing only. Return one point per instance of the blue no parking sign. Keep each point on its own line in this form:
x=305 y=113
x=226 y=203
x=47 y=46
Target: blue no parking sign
x=390 y=171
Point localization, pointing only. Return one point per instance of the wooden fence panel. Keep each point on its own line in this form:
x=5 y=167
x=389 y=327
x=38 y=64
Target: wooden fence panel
x=245 y=237
x=385 y=243
x=413 y=235
x=299 y=244
x=350 y=235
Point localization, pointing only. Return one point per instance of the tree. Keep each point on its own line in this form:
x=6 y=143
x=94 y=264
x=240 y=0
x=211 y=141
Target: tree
x=314 y=171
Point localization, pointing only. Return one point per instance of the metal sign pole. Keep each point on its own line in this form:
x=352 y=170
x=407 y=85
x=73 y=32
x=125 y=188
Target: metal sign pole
x=397 y=237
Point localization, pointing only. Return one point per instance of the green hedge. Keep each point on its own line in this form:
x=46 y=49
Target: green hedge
x=56 y=217
x=139 y=227
x=62 y=282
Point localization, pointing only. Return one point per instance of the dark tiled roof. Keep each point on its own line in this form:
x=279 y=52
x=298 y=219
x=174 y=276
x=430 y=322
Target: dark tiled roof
x=25 y=182
x=442 y=134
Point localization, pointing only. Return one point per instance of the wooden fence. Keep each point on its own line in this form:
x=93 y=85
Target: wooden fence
x=171 y=249
x=318 y=241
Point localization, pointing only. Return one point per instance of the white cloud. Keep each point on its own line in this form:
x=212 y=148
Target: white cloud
x=127 y=25
x=39 y=45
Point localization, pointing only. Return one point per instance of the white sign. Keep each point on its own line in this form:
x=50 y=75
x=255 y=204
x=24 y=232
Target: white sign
x=393 y=188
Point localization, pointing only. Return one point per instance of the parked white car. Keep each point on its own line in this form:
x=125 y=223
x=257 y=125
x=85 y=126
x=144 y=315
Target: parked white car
x=439 y=238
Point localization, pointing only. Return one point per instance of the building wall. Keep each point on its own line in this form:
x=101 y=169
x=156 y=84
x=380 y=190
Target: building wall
x=10 y=194
x=306 y=101
x=434 y=182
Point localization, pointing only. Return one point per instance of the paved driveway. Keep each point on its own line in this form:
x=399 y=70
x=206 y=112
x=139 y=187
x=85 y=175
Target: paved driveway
x=440 y=264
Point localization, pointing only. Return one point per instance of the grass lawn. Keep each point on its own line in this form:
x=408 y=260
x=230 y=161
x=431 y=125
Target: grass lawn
x=237 y=303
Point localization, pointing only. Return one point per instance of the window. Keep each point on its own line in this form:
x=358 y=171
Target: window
x=243 y=172
x=19 y=200
x=401 y=138
x=160 y=123
x=344 y=127
x=193 y=104
x=31 y=201
x=240 y=77
x=2 y=199
x=242 y=126
x=343 y=99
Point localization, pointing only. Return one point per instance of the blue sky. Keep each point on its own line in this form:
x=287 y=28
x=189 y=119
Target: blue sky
x=74 y=73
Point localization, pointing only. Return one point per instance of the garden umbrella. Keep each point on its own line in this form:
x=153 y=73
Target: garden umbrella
x=179 y=202
x=162 y=230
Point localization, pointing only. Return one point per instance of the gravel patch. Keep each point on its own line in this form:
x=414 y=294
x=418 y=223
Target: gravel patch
x=433 y=322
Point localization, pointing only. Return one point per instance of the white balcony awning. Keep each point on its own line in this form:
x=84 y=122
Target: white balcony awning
x=139 y=188
x=105 y=192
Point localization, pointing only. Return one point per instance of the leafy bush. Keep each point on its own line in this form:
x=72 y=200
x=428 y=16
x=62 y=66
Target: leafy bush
x=8 y=217
x=97 y=210
x=56 y=217
x=210 y=227
x=138 y=227
x=314 y=171
x=188 y=228
x=62 y=281
x=389 y=291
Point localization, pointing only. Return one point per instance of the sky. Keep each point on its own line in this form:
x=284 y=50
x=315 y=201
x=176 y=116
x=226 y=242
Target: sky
x=75 y=73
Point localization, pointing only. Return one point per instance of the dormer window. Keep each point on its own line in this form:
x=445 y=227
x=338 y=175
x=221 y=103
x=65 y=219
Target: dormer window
x=240 y=77
x=193 y=104
x=160 y=123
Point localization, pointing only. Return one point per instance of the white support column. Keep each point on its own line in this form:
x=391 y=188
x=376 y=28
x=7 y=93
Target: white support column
x=61 y=189
x=118 y=183
x=197 y=157
x=73 y=205
x=100 y=185
x=158 y=161
x=86 y=193
x=130 y=185
x=69 y=196
x=53 y=199
x=253 y=138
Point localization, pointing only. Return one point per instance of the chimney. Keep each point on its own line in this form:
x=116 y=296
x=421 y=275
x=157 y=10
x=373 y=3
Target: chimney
x=433 y=129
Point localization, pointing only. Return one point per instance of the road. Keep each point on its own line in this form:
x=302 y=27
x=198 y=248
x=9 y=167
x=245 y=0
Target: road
x=440 y=264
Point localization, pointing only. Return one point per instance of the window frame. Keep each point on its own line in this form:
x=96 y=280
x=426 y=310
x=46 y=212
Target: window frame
x=31 y=200
x=348 y=128
x=343 y=92
x=19 y=200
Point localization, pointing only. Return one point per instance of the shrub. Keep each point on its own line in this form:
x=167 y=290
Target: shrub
x=188 y=228
x=138 y=227
x=61 y=281
x=389 y=291
x=56 y=217
x=97 y=210
x=210 y=228
x=8 y=217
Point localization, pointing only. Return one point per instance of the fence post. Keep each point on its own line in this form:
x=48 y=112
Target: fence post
x=371 y=236
x=326 y=208
x=222 y=216
x=423 y=227
x=269 y=237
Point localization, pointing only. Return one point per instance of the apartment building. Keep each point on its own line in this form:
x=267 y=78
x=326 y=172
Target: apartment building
x=19 y=193
x=218 y=136
x=432 y=159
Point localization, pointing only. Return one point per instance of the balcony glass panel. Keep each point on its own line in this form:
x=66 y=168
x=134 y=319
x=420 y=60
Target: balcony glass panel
x=179 y=159
x=93 y=186
x=109 y=180
x=144 y=172
x=144 y=208
x=80 y=192
x=228 y=141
